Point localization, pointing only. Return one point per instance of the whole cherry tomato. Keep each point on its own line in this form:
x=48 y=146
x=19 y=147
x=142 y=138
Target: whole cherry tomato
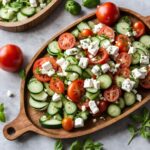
x=139 y=28
x=68 y=123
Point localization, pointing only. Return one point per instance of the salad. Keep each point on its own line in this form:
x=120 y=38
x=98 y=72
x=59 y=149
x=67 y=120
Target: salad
x=89 y=71
x=19 y=10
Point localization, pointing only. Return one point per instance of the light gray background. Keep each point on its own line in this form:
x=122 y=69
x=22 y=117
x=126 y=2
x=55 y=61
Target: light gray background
x=114 y=137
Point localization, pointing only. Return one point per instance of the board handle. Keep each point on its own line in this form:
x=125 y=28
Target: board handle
x=147 y=20
x=18 y=127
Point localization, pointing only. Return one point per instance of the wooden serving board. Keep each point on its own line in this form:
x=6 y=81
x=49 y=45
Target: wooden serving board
x=32 y=21
x=28 y=118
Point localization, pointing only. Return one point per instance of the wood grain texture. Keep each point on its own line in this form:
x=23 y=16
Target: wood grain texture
x=28 y=118
x=31 y=21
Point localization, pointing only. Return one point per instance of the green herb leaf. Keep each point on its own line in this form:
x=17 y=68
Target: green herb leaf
x=2 y=113
x=58 y=145
x=145 y=132
x=137 y=118
x=132 y=131
x=146 y=114
x=22 y=74
x=76 y=146
x=37 y=71
x=147 y=124
x=1 y=107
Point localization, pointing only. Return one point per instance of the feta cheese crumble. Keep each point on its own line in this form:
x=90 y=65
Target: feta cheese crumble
x=93 y=107
x=128 y=85
x=113 y=50
x=97 y=28
x=88 y=83
x=83 y=63
x=85 y=43
x=93 y=48
x=139 y=97
x=33 y=3
x=95 y=70
x=79 y=122
x=139 y=73
x=105 y=67
x=144 y=59
x=132 y=50
x=56 y=97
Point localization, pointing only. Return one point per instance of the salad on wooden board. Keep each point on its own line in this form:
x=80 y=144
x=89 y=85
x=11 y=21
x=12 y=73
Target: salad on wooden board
x=19 y=10
x=92 y=70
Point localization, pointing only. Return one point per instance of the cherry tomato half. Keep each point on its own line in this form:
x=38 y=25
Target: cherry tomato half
x=86 y=104
x=11 y=58
x=125 y=72
x=57 y=85
x=139 y=28
x=107 y=13
x=66 y=41
x=76 y=90
x=103 y=105
x=68 y=123
x=145 y=83
x=86 y=33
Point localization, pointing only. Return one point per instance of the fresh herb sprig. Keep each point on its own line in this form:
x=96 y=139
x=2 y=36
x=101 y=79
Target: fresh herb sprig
x=141 y=125
x=22 y=74
x=2 y=113
x=88 y=144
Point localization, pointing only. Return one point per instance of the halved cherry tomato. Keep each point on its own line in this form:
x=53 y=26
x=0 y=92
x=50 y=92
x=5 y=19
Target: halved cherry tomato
x=124 y=59
x=76 y=90
x=125 y=72
x=57 y=85
x=86 y=104
x=38 y=64
x=139 y=27
x=122 y=41
x=107 y=31
x=66 y=41
x=112 y=94
x=100 y=58
x=103 y=106
x=68 y=123
x=145 y=83
x=86 y=32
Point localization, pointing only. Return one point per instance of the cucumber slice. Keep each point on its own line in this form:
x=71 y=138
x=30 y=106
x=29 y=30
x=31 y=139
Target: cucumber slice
x=21 y=17
x=105 y=43
x=136 y=58
x=45 y=117
x=123 y=27
x=119 y=80
x=48 y=90
x=129 y=98
x=139 y=45
x=37 y=105
x=57 y=117
x=83 y=114
x=58 y=104
x=91 y=24
x=28 y=11
x=6 y=14
x=113 y=110
x=52 y=124
x=72 y=60
x=92 y=90
x=105 y=81
x=85 y=75
x=95 y=39
x=52 y=109
x=70 y=108
x=72 y=76
x=75 y=32
x=92 y=96
x=121 y=103
x=88 y=70
x=145 y=39
x=81 y=26
x=53 y=48
x=35 y=86
x=42 y=96
x=74 y=68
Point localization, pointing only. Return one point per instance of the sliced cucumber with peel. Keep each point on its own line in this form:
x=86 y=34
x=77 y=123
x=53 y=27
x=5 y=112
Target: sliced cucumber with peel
x=52 y=109
x=70 y=108
x=74 y=68
x=48 y=90
x=21 y=17
x=129 y=98
x=113 y=110
x=28 y=11
x=53 y=48
x=92 y=90
x=145 y=39
x=72 y=76
x=119 y=80
x=92 y=96
x=75 y=32
x=42 y=96
x=83 y=25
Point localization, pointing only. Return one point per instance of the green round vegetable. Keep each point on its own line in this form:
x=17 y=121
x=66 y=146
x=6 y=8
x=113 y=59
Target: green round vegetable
x=73 y=7
x=90 y=3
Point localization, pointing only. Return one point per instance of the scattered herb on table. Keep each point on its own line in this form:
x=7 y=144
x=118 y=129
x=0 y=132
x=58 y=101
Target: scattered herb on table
x=2 y=113
x=22 y=74
x=141 y=125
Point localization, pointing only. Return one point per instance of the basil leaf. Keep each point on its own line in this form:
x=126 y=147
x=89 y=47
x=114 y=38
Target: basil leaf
x=76 y=146
x=22 y=74
x=2 y=117
x=58 y=145
x=146 y=115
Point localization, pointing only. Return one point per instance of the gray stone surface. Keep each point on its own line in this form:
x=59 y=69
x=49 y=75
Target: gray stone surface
x=114 y=137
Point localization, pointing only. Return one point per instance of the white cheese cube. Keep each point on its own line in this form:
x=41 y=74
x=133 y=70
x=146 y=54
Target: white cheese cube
x=96 y=84
x=144 y=72
x=60 y=61
x=79 y=122
x=51 y=72
x=129 y=34
x=83 y=108
x=43 y=5
x=9 y=93
x=33 y=3
x=136 y=73
x=134 y=33
x=93 y=107
x=88 y=83
x=83 y=63
x=46 y=66
x=117 y=66
x=134 y=91
x=144 y=59
x=69 y=82
x=72 y=51
x=132 y=50
x=93 y=48
x=128 y=85
x=97 y=28
x=85 y=43
x=113 y=50
x=106 y=44
x=56 y=97
x=139 y=97
x=64 y=65
x=105 y=67
x=95 y=70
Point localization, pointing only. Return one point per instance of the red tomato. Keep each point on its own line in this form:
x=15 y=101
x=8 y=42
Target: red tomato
x=122 y=41
x=124 y=59
x=103 y=106
x=86 y=33
x=68 y=123
x=107 y=13
x=76 y=90
x=66 y=41
x=38 y=64
x=57 y=85
x=112 y=94
x=86 y=104
x=11 y=58
x=145 y=83
x=125 y=72
x=107 y=31
x=139 y=27
x=100 y=58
